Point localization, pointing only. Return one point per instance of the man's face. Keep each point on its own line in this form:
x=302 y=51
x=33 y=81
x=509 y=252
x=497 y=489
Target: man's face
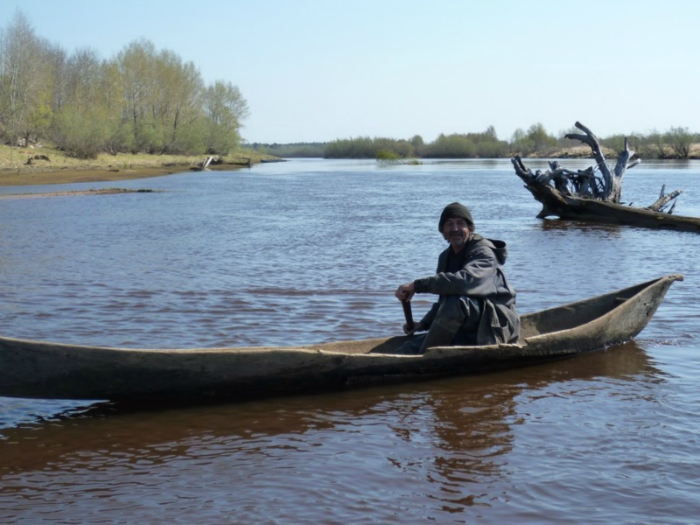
x=456 y=232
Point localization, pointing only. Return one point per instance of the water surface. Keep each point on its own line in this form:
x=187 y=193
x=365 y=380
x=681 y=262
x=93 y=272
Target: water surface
x=309 y=251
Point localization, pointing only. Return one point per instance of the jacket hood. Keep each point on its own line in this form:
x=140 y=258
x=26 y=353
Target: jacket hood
x=498 y=247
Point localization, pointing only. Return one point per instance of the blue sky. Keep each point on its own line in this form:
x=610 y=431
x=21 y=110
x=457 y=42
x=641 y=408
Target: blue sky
x=319 y=70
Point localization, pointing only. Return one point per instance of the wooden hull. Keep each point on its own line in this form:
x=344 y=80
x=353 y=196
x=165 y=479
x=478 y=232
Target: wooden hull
x=36 y=369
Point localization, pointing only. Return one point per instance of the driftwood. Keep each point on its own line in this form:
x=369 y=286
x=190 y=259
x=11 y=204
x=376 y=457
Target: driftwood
x=204 y=165
x=607 y=186
x=594 y=194
x=206 y=162
x=611 y=189
x=31 y=159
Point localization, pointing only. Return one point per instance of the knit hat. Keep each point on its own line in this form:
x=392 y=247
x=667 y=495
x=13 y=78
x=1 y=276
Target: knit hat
x=456 y=211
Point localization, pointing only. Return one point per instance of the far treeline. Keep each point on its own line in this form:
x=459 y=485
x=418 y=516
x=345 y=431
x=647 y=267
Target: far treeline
x=676 y=143
x=140 y=101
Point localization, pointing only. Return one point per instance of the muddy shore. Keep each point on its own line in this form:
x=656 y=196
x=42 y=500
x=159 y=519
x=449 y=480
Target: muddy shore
x=27 y=177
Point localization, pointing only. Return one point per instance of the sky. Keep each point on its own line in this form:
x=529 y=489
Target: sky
x=321 y=70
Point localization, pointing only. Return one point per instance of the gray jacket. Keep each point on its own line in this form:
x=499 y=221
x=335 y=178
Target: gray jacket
x=481 y=276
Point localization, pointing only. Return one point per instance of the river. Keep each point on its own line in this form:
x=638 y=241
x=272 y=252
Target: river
x=312 y=250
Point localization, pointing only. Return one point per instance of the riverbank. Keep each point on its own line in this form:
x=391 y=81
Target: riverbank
x=45 y=166
x=104 y=191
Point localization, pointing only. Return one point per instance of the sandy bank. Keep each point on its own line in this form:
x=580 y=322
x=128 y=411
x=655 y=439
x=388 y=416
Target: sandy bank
x=105 y=191
x=33 y=177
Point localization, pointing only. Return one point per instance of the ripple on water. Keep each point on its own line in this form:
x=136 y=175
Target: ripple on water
x=312 y=251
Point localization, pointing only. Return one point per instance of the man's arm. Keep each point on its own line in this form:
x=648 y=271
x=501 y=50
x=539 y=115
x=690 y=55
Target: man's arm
x=477 y=272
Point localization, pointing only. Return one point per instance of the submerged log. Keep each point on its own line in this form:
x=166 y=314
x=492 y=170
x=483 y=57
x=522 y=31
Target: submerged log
x=594 y=194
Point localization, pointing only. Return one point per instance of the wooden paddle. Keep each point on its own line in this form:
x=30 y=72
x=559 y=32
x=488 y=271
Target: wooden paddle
x=408 y=314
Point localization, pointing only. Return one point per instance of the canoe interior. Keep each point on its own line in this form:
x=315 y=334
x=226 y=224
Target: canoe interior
x=548 y=321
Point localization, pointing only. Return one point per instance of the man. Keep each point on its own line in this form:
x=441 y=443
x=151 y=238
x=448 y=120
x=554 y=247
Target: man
x=476 y=304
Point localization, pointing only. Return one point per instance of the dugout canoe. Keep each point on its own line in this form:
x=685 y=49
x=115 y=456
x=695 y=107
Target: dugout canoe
x=35 y=369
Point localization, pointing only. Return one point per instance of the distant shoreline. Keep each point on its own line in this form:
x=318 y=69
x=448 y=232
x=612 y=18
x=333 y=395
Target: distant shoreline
x=47 y=165
x=46 y=175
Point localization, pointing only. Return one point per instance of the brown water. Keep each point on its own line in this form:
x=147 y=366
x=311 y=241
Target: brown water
x=311 y=251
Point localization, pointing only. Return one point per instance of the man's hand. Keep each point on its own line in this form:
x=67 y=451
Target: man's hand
x=416 y=328
x=405 y=292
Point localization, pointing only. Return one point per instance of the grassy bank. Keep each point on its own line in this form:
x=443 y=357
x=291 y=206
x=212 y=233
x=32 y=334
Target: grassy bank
x=25 y=166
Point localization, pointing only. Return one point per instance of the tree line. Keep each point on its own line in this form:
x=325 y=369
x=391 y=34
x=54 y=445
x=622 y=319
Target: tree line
x=141 y=100
x=673 y=144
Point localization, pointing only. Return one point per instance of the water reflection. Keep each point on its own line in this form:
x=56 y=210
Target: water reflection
x=559 y=225
x=464 y=423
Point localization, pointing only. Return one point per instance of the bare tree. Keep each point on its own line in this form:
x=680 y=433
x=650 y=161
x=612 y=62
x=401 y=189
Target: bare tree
x=680 y=140
x=176 y=104
x=81 y=124
x=19 y=75
x=224 y=109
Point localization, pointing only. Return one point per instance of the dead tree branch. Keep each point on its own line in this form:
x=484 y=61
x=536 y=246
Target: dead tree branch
x=612 y=189
x=598 y=182
x=664 y=200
